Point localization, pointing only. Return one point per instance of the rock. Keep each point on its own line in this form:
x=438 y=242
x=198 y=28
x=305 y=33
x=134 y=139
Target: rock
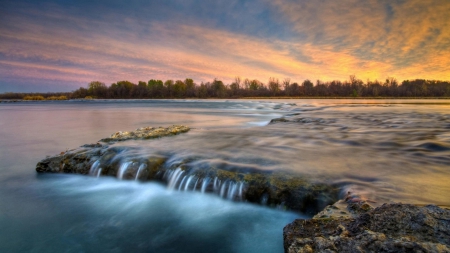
x=146 y=133
x=295 y=118
x=388 y=228
x=98 y=159
x=278 y=120
x=281 y=189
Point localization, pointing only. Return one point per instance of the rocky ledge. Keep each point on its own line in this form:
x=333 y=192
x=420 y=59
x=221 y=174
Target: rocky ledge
x=281 y=189
x=361 y=228
x=349 y=225
x=147 y=133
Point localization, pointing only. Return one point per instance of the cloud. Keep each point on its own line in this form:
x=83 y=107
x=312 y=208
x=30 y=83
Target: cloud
x=327 y=40
x=411 y=37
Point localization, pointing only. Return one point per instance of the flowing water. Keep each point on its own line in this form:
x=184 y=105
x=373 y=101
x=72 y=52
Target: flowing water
x=386 y=150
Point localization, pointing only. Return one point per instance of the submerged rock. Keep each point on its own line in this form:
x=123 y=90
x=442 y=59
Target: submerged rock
x=388 y=228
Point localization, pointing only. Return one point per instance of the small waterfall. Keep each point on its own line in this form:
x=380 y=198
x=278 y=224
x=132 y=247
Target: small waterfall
x=216 y=185
x=99 y=172
x=241 y=189
x=186 y=187
x=122 y=169
x=196 y=183
x=205 y=183
x=228 y=189
x=231 y=190
x=94 y=167
x=181 y=184
x=141 y=168
x=222 y=190
x=174 y=177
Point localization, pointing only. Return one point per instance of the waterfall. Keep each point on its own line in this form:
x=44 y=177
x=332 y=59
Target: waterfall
x=174 y=177
x=186 y=187
x=205 y=183
x=181 y=181
x=241 y=188
x=231 y=190
x=99 y=172
x=141 y=168
x=181 y=184
x=122 y=169
x=222 y=190
x=94 y=166
x=195 y=185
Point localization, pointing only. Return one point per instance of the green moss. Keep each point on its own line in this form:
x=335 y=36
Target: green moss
x=154 y=165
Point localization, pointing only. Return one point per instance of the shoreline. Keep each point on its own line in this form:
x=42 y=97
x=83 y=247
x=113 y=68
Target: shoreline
x=240 y=98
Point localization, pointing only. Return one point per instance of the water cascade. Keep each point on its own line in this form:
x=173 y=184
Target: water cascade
x=178 y=179
x=95 y=169
x=228 y=189
x=122 y=169
x=141 y=168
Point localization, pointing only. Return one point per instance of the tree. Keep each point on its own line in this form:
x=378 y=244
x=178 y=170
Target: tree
x=219 y=89
x=190 y=87
x=308 y=87
x=156 y=88
x=235 y=86
x=286 y=83
x=254 y=84
x=274 y=86
x=124 y=89
x=168 y=85
x=140 y=91
x=97 y=89
x=202 y=91
x=179 y=89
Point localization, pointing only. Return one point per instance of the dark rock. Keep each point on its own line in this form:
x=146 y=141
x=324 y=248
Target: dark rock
x=280 y=189
x=278 y=120
x=388 y=228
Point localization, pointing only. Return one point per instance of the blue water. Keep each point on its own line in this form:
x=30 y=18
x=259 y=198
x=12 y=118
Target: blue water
x=72 y=213
x=387 y=150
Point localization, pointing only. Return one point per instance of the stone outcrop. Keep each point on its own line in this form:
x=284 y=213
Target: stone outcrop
x=147 y=133
x=388 y=228
x=281 y=189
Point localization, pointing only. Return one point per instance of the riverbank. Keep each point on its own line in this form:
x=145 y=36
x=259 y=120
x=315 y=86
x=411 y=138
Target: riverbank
x=232 y=98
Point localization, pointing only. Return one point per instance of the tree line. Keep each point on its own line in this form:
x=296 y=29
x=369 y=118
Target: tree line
x=187 y=88
x=239 y=88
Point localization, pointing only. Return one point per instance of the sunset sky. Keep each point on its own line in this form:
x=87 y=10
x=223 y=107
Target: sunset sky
x=61 y=45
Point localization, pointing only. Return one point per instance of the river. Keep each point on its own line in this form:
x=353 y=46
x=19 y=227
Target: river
x=385 y=150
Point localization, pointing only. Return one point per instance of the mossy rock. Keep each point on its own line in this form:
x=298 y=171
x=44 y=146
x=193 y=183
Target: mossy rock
x=146 y=133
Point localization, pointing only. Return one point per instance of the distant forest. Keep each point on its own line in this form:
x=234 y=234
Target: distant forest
x=251 y=88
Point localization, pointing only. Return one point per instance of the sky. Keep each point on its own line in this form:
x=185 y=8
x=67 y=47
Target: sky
x=61 y=45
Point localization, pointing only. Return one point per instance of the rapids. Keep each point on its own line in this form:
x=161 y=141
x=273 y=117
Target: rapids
x=386 y=150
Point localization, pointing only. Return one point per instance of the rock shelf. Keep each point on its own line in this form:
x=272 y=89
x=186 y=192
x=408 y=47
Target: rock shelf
x=348 y=225
x=361 y=228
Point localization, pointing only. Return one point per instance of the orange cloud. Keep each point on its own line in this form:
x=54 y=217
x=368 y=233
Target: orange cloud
x=330 y=42
x=410 y=38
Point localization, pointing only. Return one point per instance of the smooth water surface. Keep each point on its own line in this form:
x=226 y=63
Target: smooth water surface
x=387 y=150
